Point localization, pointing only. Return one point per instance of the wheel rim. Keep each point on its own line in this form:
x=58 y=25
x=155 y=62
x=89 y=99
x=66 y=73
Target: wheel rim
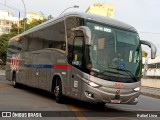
x=56 y=91
x=14 y=82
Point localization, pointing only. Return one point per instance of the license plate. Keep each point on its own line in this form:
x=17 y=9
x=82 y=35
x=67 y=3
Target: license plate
x=115 y=101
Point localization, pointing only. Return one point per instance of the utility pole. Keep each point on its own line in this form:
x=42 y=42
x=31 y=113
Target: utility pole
x=24 y=15
x=18 y=21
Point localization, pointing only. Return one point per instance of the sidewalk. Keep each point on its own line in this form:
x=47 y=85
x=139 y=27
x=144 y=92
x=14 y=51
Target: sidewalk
x=150 y=91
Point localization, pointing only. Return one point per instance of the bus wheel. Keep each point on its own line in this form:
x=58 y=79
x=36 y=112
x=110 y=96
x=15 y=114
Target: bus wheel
x=15 y=84
x=101 y=104
x=58 y=91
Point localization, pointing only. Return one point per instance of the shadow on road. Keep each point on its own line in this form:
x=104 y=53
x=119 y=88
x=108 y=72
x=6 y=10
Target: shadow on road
x=88 y=109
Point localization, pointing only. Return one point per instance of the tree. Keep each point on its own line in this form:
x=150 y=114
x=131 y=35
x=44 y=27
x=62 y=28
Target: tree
x=3 y=47
x=32 y=23
x=14 y=31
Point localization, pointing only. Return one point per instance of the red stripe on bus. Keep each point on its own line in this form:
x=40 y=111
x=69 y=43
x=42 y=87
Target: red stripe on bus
x=63 y=67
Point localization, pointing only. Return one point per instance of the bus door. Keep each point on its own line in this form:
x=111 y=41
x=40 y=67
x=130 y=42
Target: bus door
x=76 y=71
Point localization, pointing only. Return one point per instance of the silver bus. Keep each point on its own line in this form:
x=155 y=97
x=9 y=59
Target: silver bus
x=83 y=56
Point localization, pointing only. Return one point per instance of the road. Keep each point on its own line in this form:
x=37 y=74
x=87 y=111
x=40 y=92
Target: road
x=30 y=99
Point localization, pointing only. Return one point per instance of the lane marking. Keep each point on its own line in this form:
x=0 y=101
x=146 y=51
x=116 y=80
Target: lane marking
x=77 y=112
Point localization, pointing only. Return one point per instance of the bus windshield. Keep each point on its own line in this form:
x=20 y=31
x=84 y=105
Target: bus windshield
x=114 y=51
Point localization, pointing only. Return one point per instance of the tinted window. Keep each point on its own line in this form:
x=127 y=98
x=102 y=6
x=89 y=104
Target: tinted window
x=52 y=36
x=78 y=51
x=72 y=22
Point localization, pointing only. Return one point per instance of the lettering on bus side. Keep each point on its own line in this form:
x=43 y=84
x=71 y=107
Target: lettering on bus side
x=61 y=61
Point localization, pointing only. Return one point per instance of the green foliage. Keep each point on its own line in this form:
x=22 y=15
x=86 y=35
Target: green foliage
x=14 y=31
x=3 y=47
x=33 y=23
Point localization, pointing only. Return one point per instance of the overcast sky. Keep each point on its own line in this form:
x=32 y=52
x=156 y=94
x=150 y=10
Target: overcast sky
x=142 y=14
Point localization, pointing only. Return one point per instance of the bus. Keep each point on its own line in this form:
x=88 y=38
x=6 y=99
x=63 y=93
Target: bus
x=82 y=56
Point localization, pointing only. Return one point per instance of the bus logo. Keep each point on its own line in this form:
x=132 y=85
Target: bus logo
x=15 y=63
x=119 y=85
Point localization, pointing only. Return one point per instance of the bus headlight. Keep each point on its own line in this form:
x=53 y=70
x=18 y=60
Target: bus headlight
x=90 y=83
x=93 y=84
x=137 y=89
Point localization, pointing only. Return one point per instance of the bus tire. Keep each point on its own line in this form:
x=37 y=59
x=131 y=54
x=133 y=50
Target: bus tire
x=15 y=84
x=101 y=104
x=58 y=90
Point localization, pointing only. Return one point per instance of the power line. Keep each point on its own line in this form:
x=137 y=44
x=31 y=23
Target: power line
x=11 y=7
x=11 y=3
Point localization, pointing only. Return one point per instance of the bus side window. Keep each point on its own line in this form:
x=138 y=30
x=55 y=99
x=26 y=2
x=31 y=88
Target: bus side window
x=77 y=51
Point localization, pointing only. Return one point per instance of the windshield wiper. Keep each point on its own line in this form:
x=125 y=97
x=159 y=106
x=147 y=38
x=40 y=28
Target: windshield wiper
x=128 y=72
x=104 y=71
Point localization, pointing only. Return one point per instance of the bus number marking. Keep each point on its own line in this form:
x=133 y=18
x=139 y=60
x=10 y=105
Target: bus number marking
x=119 y=85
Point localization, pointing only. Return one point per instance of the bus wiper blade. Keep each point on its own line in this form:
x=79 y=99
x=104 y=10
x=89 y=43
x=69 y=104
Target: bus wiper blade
x=108 y=72
x=127 y=71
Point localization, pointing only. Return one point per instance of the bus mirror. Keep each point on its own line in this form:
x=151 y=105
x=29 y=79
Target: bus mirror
x=86 y=31
x=152 y=46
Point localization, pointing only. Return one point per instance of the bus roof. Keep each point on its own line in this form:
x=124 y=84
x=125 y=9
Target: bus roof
x=102 y=19
x=87 y=16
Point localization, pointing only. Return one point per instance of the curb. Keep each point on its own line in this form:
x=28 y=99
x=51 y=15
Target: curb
x=150 y=94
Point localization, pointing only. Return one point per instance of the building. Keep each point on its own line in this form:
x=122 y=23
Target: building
x=31 y=16
x=6 y=20
x=102 y=9
x=151 y=67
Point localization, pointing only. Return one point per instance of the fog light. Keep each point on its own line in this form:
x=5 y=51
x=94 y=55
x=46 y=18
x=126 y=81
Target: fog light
x=136 y=99
x=89 y=94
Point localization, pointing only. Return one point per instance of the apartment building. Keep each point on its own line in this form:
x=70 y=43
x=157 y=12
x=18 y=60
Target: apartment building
x=6 y=20
x=106 y=10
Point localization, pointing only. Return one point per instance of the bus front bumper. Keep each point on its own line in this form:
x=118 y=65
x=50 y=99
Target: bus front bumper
x=96 y=95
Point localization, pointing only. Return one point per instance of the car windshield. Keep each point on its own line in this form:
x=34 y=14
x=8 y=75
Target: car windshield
x=114 y=48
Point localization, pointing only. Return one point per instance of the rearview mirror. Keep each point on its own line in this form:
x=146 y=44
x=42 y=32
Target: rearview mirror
x=152 y=46
x=86 y=31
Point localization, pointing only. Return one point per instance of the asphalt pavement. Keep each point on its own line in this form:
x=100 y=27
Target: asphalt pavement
x=147 y=91
x=30 y=99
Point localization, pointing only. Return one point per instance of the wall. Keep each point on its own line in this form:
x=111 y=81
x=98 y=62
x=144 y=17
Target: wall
x=151 y=83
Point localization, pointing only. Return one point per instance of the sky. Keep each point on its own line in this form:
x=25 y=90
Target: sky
x=142 y=14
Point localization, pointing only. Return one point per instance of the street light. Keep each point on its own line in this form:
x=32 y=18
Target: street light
x=24 y=15
x=75 y=6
